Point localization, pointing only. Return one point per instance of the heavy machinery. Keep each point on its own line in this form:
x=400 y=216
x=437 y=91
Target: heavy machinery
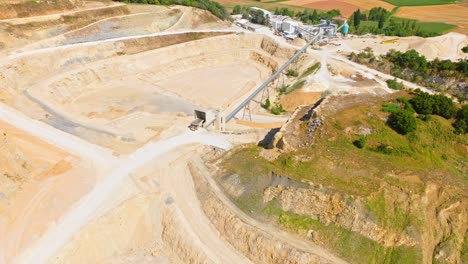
x=202 y=119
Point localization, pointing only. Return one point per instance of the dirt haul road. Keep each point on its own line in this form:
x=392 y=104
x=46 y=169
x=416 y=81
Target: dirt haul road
x=22 y=20
x=59 y=234
x=116 y=170
x=100 y=156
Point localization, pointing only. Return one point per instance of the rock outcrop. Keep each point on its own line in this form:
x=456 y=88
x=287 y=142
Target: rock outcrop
x=258 y=245
x=337 y=209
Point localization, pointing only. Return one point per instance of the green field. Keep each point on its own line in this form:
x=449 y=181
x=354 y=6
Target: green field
x=420 y=2
x=435 y=27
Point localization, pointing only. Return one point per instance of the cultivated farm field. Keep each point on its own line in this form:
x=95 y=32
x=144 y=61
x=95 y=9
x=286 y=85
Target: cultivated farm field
x=420 y=2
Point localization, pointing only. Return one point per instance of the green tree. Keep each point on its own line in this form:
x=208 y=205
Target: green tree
x=357 y=18
x=461 y=122
x=258 y=17
x=402 y=122
x=422 y=103
x=443 y=106
x=236 y=10
x=381 y=21
x=314 y=17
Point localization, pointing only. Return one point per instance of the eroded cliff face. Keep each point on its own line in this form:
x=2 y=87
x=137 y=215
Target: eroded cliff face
x=334 y=208
x=434 y=220
x=445 y=223
x=256 y=244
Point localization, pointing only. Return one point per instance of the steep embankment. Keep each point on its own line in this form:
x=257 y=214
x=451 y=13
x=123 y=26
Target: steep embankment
x=398 y=199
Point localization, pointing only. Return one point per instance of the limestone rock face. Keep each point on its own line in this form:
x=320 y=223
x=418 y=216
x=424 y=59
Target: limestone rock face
x=337 y=209
x=442 y=218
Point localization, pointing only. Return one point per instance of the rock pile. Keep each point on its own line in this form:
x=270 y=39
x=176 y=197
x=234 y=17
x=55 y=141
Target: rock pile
x=314 y=124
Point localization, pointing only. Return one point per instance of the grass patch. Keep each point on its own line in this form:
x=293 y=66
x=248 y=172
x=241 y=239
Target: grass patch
x=420 y=2
x=393 y=218
x=464 y=252
x=295 y=86
x=391 y=108
x=349 y=245
x=433 y=152
x=436 y=27
x=311 y=70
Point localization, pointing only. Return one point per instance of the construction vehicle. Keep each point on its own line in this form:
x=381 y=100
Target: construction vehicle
x=202 y=119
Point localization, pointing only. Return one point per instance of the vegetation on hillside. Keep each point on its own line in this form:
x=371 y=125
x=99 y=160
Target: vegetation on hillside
x=336 y=159
x=395 y=84
x=403 y=119
x=213 y=7
x=461 y=121
x=306 y=16
x=440 y=75
x=258 y=17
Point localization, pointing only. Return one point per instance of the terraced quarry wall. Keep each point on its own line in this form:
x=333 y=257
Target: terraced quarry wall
x=86 y=86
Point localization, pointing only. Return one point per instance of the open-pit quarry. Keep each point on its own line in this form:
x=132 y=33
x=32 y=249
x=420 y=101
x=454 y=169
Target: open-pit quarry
x=97 y=163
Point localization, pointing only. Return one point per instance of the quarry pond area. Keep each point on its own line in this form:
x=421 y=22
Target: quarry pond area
x=135 y=133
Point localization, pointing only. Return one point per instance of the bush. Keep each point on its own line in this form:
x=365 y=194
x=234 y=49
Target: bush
x=443 y=106
x=395 y=85
x=426 y=104
x=461 y=122
x=391 y=108
x=406 y=103
x=292 y=73
x=465 y=49
x=283 y=89
x=402 y=122
x=277 y=109
x=213 y=7
x=422 y=103
x=360 y=143
x=267 y=104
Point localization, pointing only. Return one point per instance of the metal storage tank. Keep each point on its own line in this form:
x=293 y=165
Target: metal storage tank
x=345 y=29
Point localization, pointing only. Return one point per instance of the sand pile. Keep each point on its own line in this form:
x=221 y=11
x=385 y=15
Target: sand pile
x=447 y=46
x=444 y=47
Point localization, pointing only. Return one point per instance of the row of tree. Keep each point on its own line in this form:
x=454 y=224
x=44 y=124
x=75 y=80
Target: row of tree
x=440 y=75
x=213 y=7
x=403 y=119
x=377 y=14
x=255 y=16
x=307 y=16
x=385 y=24
x=416 y=62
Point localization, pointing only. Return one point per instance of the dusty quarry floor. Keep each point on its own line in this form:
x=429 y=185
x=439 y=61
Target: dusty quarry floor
x=96 y=160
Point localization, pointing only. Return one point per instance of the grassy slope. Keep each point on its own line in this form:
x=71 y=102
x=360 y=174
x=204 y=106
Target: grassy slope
x=419 y=2
x=432 y=153
x=349 y=245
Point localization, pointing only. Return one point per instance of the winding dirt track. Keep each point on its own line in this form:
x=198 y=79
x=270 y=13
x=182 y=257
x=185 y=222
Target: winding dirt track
x=115 y=170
